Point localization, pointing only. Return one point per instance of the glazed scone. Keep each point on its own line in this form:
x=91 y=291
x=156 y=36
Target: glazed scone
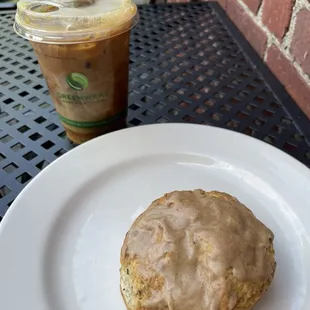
x=196 y=250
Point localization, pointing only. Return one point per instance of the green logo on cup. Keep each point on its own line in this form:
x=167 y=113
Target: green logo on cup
x=77 y=81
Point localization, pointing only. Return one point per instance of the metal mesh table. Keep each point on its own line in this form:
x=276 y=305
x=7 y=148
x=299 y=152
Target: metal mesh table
x=188 y=64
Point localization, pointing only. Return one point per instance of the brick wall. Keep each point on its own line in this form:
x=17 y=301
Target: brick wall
x=279 y=31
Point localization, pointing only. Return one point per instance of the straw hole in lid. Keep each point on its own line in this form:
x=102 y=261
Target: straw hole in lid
x=44 y=8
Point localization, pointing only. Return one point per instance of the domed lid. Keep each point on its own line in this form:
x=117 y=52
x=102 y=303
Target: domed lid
x=66 y=21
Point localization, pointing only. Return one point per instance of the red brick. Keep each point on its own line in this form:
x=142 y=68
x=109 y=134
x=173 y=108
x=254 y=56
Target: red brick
x=222 y=3
x=285 y=71
x=253 y=5
x=300 y=47
x=277 y=15
x=253 y=33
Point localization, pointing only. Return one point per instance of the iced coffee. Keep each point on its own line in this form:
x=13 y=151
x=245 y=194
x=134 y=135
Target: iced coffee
x=83 y=50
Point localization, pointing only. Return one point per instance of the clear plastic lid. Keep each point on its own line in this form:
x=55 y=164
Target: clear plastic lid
x=67 y=21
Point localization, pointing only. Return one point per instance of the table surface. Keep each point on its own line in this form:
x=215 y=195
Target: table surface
x=188 y=63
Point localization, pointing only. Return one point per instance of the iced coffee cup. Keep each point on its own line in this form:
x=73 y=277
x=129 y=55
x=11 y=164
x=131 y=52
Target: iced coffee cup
x=83 y=50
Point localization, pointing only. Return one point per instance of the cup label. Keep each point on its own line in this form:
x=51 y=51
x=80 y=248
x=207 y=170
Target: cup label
x=88 y=82
x=92 y=124
x=77 y=81
x=77 y=99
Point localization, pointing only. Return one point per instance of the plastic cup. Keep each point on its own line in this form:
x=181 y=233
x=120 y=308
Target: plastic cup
x=82 y=47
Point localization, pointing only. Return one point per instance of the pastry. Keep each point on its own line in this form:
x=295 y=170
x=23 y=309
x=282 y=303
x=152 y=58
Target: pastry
x=196 y=250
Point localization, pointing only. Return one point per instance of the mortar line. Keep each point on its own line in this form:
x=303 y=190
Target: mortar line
x=271 y=38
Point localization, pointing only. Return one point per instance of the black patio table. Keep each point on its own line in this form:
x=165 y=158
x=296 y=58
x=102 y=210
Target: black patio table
x=188 y=63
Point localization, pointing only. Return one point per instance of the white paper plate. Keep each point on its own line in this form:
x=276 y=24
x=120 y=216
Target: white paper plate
x=60 y=241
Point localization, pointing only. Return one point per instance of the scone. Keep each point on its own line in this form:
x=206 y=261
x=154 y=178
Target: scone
x=196 y=250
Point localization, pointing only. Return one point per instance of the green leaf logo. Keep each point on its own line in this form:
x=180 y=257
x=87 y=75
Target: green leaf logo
x=77 y=81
